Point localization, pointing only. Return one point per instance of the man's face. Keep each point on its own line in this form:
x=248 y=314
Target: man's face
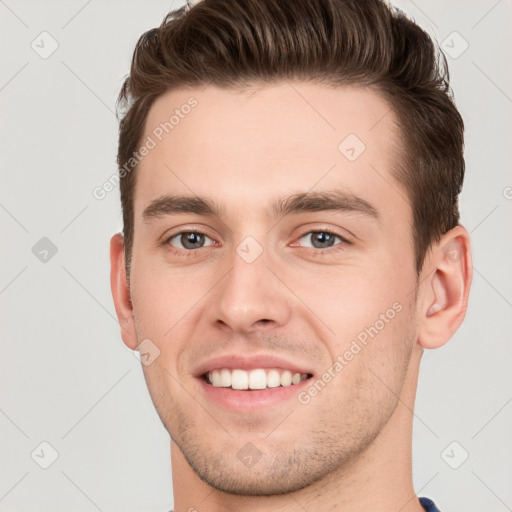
x=274 y=277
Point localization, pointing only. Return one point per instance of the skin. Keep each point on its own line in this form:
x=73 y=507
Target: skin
x=349 y=448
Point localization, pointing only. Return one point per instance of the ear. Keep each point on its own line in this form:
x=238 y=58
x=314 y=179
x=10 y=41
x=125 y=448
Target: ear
x=445 y=285
x=121 y=291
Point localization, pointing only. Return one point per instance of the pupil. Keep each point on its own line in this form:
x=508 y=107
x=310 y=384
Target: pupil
x=323 y=239
x=192 y=240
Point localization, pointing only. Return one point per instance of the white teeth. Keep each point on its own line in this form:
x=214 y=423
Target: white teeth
x=286 y=378
x=257 y=379
x=239 y=379
x=273 y=379
x=225 y=378
x=253 y=379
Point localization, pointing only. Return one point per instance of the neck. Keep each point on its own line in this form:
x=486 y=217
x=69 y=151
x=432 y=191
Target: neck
x=380 y=478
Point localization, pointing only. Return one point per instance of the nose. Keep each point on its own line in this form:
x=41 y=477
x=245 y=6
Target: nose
x=250 y=297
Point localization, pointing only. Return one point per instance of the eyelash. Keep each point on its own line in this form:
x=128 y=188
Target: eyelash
x=187 y=253
x=340 y=246
x=324 y=252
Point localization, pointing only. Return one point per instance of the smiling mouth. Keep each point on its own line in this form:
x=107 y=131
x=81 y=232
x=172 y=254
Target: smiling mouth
x=255 y=379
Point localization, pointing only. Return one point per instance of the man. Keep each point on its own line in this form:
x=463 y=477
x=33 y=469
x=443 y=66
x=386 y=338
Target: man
x=290 y=172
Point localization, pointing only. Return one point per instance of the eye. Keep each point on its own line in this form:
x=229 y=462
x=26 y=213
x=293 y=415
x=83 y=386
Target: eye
x=320 y=239
x=189 y=240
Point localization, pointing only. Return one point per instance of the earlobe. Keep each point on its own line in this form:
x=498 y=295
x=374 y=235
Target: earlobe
x=121 y=291
x=445 y=289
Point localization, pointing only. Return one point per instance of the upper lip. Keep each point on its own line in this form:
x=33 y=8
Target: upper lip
x=237 y=361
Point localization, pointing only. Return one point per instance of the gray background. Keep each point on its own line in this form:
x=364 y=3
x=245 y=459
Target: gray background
x=67 y=379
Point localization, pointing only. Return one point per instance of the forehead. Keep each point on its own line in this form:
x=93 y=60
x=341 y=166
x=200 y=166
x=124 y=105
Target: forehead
x=243 y=147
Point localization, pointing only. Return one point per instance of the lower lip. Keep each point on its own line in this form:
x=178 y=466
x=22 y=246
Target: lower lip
x=251 y=400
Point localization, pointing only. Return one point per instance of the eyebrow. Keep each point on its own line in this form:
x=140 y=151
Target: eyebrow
x=307 y=202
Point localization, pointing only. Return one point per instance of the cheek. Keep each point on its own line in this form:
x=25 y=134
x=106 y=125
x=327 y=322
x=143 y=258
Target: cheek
x=348 y=300
x=371 y=365
x=165 y=392
x=162 y=298
x=370 y=318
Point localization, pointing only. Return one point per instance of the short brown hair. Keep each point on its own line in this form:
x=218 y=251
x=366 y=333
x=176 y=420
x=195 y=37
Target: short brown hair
x=235 y=43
